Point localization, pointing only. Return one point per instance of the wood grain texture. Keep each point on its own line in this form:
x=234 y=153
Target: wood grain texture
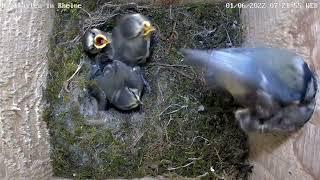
x=295 y=156
x=24 y=146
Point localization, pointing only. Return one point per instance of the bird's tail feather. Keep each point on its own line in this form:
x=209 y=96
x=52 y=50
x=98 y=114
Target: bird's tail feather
x=197 y=58
x=218 y=61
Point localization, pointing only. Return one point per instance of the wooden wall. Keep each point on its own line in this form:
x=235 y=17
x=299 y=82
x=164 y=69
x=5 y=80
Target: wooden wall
x=296 y=156
x=24 y=145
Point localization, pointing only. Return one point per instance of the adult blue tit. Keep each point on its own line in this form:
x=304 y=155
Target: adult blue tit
x=119 y=84
x=131 y=39
x=275 y=87
x=95 y=40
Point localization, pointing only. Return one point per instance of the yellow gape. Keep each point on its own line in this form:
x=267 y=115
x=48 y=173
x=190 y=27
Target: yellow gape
x=100 y=41
x=147 y=28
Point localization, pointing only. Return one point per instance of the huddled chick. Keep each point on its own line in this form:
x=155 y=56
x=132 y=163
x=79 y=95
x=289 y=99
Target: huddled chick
x=275 y=87
x=120 y=80
x=120 y=85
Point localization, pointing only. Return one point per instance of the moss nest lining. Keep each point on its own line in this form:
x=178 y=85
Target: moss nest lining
x=182 y=130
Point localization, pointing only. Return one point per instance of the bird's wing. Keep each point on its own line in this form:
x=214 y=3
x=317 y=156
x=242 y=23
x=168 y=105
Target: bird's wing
x=224 y=67
x=238 y=70
x=135 y=80
x=286 y=73
x=282 y=74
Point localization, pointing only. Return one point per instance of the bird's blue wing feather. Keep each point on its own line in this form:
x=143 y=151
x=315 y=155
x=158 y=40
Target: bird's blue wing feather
x=220 y=64
x=268 y=69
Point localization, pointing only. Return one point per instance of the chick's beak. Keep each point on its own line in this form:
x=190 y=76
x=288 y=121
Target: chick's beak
x=101 y=41
x=138 y=99
x=147 y=28
x=136 y=96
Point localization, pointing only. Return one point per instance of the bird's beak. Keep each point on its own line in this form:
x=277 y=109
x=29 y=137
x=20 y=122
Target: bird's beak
x=138 y=98
x=147 y=28
x=101 y=41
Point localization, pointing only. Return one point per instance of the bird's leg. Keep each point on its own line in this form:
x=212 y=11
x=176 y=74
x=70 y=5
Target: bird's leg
x=260 y=108
x=265 y=105
x=247 y=120
x=66 y=83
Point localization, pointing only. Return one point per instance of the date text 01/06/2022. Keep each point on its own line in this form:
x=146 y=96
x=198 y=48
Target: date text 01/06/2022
x=262 y=5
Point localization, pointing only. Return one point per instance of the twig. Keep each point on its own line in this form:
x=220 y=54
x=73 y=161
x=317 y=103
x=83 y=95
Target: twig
x=174 y=34
x=231 y=44
x=194 y=159
x=86 y=13
x=179 y=167
x=186 y=165
x=90 y=21
x=160 y=92
x=204 y=32
x=165 y=129
x=168 y=108
x=74 y=40
x=169 y=121
x=78 y=37
x=198 y=137
x=174 y=111
x=182 y=73
x=170 y=12
x=217 y=153
x=178 y=71
x=66 y=83
x=202 y=175
x=136 y=140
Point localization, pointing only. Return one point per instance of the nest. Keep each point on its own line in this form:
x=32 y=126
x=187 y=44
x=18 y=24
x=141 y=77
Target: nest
x=182 y=130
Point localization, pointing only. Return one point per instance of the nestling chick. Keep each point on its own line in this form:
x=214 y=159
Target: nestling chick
x=131 y=39
x=120 y=85
x=275 y=86
x=94 y=41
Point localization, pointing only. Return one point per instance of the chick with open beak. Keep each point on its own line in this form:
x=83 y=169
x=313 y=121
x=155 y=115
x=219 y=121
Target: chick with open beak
x=131 y=39
x=94 y=41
